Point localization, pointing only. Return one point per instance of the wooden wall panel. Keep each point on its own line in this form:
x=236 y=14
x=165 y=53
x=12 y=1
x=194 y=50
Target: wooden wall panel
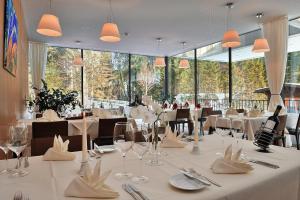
x=13 y=89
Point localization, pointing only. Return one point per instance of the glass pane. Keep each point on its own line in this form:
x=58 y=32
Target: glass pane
x=213 y=77
x=250 y=84
x=146 y=79
x=60 y=72
x=181 y=80
x=105 y=79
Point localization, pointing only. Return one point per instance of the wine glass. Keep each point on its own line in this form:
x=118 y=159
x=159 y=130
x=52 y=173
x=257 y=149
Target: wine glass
x=4 y=148
x=140 y=148
x=61 y=110
x=123 y=139
x=17 y=143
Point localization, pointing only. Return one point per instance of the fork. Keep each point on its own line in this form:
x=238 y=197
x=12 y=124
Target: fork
x=18 y=196
x=208 y=179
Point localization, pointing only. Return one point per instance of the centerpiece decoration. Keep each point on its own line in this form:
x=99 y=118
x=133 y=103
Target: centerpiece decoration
x=151 y=114
x=195 y=149
x=54 y=99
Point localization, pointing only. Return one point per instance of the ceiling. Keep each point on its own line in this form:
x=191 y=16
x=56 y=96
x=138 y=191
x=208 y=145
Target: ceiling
x=198 y=22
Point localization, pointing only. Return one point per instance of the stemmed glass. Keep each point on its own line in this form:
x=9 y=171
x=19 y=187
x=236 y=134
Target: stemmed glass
x=123 y=139
x=18 y=136
x=61 y=110
x=4 y=148
x=140 y=148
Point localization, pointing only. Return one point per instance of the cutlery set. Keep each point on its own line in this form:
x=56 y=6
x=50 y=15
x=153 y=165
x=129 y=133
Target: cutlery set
x=20 y=196
x=191 y=173
x=134 y=192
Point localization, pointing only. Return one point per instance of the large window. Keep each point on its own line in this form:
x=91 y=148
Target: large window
x=181 y=80
x=146 y=78
x=213 y=86
x=60 y=72
x=105 y=77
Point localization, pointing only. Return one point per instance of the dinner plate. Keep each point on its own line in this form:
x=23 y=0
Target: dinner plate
x=182 y=182
x=106 y=148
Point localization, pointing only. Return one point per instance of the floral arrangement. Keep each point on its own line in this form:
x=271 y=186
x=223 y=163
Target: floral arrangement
x=54 y=99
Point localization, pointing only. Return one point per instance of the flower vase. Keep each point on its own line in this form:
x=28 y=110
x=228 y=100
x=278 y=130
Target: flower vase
x=154 y=151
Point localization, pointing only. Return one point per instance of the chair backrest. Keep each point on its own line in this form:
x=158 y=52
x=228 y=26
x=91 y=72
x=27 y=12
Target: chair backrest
x=49 y=129
x=298 y=124
x=106 y=126
x=106 y=130
x=216 y=112
x=39 y=146
x=183 y=113
x=206 y=112
x=282 y=123
x=240 y=110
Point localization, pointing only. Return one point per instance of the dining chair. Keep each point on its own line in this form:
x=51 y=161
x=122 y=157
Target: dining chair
x=295 y=132
x=106 y=130
x=74 y=118
x=214 y=112
x=204 y=114
x=182 y=117
x=279 y=131
x=49 y=129
x=39 y=146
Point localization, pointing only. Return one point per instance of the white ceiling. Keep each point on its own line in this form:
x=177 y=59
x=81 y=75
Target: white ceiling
x=198 y=22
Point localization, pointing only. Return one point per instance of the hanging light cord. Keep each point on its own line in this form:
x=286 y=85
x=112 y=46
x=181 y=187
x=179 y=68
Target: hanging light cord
x=50 y=5
x=228 y=16
x=111 y=13
x=259 y=23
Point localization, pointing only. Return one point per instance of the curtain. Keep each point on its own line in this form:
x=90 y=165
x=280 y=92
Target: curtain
x=37 y=62
x=276 y=32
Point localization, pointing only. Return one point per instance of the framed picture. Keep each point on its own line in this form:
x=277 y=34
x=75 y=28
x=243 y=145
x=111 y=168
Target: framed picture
x=10 y=38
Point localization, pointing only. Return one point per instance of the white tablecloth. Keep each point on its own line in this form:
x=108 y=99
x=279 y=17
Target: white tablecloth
x=47 y=179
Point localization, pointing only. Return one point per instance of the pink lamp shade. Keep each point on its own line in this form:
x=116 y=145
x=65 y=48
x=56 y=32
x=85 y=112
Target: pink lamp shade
x=231 y=39
x=184 y=64
x=77 y=61
x=49 y=26
x=159 y=62
x=110 y=33
x=261 y=45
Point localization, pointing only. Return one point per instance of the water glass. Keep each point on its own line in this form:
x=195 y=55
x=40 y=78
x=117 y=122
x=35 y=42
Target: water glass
x=140 y=148
x=123 y=139
x=18 y=139
x=4 y=148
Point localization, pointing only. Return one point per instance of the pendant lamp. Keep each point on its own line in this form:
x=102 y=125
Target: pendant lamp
x=261 y=45
x=184 y=62
x=159 y=61
x=231 y=37
x=110 y=30
x=49 y=25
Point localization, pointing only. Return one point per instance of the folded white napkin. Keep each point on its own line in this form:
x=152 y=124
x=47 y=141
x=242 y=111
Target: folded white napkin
x=231 y=111
x=50 y=115
x=147 y=100
x=101 y=113
x=171 y=140
x=254 y=113
x=59 y=151
x=231 y=163
x=91 y=185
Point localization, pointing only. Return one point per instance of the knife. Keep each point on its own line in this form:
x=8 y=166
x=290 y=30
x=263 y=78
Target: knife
x=138 y=192
x=189 y=175
x=130 y=191
x=266 y=164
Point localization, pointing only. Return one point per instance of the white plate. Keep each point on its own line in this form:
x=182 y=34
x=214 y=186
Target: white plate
x=182 y=182
x=107 y=148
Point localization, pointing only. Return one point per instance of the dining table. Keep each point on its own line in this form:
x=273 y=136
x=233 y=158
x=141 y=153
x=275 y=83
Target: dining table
x=48 y=180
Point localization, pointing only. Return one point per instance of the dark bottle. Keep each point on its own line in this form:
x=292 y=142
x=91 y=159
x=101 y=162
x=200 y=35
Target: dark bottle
x=273 y=121
x=264 y=137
